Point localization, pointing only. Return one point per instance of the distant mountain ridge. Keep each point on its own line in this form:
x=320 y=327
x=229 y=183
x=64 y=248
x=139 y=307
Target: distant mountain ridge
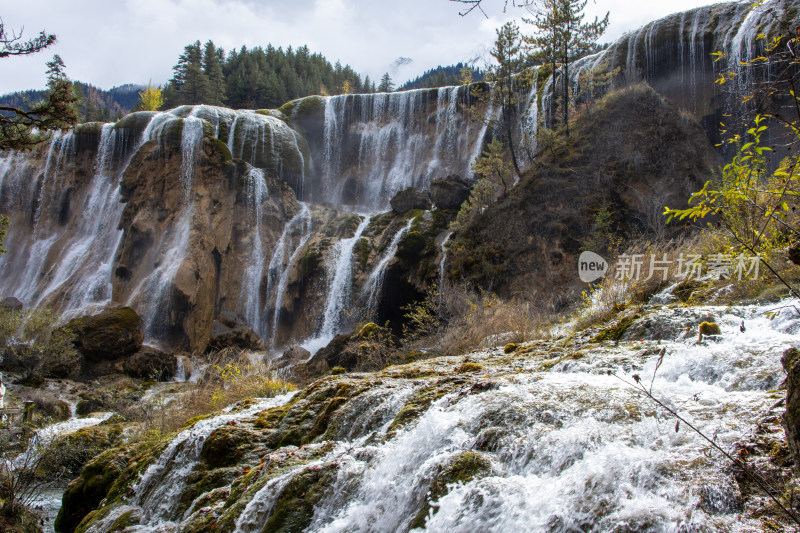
x=442 y=77
x=95 y=104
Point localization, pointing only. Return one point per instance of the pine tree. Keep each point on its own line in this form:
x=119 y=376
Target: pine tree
x=20 y=127
x=189 y=80
x=386 y=85
x=212 y=68
x=508 y=80
x=563 y=37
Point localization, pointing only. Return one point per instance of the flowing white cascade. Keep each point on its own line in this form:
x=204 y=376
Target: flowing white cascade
x=400 y=140
x=577 y=449
x=30 y=189
x=257 y=195
x=339 y=273
x=731 y=28
x=157 y=491
x=295 y=235
x=443 y=260
x=95 y=237
x=180 y=371
x=372 y=288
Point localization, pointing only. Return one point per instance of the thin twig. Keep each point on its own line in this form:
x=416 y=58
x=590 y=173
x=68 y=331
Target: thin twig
x=738 y=462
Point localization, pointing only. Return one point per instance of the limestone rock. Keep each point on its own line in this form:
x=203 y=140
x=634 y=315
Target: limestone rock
x=150 y=363
x=408 y=199
x=11 y=304
x=791 y=418
x=108 y=335
x=239 y=335
x=449 y=192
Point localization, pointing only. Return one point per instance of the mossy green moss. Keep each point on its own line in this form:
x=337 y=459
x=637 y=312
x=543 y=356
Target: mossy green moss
x=709 y=328
x=615 y=332
x=412 y=245
x=294 y=508
x=310 y=105
x=310 y=262
x=361 y=251
x=462 y=468
x=288 y=108
x=222 y=148
x=368 y=330
x=510 y=347
x=226 y=445
x=335 y=371
x=469 y=367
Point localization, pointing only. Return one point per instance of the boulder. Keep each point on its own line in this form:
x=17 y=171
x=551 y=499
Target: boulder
x=109 y=335
x=11 y=304
x=231 y=331
x=449 y=192
x=791 y=418
x=150 y=363
x=293 y=356
x=409 y=199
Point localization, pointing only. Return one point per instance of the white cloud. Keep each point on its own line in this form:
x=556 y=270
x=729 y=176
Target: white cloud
x=110 y=43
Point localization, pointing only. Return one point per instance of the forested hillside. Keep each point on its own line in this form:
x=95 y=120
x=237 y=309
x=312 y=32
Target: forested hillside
x=94 y=105
x=444 y=77
x=256 y=78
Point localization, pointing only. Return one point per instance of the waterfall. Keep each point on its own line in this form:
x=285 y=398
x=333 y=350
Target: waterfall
x=339 y=273
x=157 y=491
x=257 y=194
x=372 y=288
x=383 y=143
x=295 y=235
x=443 y=260
x=95 y=240
x=567 y=448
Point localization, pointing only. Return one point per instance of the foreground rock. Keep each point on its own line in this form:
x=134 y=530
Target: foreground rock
x=109 y=335
x=423 y=444
x=449 y=192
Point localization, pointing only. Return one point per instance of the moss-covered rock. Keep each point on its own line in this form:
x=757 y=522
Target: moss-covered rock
x=462 y=468
x=708 y=328
x=510 y=347
x=310 y=262
x=469 y=366
x=615 y=331
x=227 y=445
x=108 y=335
x=294 y=508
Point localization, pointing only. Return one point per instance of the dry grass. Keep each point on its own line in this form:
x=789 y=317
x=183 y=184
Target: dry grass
x=457 y=320
x=231 y=376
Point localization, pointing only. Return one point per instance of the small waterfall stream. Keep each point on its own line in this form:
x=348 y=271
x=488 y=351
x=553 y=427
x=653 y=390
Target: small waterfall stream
x=339 y=273
x=374 y=284
x=562 y=447
x=257 y=194
x=294 y=238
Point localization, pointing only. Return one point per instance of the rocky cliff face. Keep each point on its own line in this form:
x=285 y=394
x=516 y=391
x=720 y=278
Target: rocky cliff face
x=270 y=215
x=631 y=155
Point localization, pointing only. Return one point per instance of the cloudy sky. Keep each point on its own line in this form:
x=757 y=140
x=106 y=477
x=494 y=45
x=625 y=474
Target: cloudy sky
x=112 y=42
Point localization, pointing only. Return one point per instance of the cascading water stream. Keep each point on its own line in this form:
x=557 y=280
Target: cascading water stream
x=257 y=195
x=339 y=271
x=95 y=238
x=155 y=288
x=157 y=491
x=279 y=266
x=372 y=288
x=443 y=260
